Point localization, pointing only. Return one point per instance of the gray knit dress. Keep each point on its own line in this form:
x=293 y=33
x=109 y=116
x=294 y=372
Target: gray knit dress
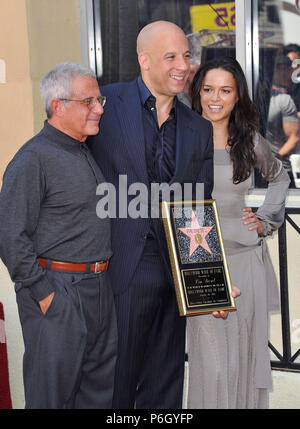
x=229 y=362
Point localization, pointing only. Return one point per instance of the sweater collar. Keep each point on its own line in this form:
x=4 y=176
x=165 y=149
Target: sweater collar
x=61 y=138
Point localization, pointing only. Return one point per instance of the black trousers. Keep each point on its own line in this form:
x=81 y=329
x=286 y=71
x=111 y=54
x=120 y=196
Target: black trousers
x=70 y=352
x=150 y=364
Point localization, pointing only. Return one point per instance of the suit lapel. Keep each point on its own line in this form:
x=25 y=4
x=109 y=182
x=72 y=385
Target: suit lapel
x=184 y=147
x=129 y=113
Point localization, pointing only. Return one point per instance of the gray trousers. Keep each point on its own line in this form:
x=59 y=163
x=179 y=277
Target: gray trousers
x=70 y=352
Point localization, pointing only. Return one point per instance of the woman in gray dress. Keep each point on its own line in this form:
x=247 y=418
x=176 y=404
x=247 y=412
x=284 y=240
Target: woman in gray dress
x=229 y=363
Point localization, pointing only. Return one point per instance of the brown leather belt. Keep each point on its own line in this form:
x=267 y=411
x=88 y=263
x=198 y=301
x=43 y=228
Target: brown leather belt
x=95 y=267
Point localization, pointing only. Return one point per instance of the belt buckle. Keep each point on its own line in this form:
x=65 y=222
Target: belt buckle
x=96 y=267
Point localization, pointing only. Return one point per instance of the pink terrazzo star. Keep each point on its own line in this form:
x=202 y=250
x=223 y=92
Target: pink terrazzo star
x=197 y=234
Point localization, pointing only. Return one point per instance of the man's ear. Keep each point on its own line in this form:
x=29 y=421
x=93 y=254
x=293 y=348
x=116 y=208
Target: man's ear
x=57 y=106
x=144 y=61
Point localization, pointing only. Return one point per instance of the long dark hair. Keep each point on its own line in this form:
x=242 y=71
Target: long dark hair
x=244 y=118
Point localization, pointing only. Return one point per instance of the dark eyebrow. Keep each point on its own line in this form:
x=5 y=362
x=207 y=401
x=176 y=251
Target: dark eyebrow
x=176 y=53
x=225 y=86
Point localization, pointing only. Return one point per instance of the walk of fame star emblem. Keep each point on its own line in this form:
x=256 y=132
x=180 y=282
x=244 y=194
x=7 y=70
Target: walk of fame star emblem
x=197 y=234
x=197 y=258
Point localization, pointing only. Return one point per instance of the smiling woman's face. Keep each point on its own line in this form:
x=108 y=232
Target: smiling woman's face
x=218 y=95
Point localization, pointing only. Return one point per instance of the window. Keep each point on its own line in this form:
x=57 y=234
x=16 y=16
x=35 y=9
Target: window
x=210 y=26
x=276 y=65
x=256 y=32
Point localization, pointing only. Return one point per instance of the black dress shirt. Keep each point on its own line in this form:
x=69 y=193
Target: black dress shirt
x=160 y=148
x=160 y=142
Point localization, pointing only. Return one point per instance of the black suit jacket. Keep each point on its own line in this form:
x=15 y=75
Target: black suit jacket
x=119 y=149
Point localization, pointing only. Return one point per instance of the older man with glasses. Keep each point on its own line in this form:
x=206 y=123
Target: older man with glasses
x=57 y=250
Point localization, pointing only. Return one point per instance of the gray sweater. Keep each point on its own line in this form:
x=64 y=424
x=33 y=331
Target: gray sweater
x=48 y=209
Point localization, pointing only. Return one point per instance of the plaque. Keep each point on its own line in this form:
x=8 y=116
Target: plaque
x=197 y=256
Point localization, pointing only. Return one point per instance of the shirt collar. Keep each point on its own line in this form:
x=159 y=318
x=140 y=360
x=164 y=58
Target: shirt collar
x=148 y=100
x=61 y=138
x=144 y=91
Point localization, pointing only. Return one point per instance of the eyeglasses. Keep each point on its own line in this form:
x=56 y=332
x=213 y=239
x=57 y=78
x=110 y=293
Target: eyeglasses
x=89 y=102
